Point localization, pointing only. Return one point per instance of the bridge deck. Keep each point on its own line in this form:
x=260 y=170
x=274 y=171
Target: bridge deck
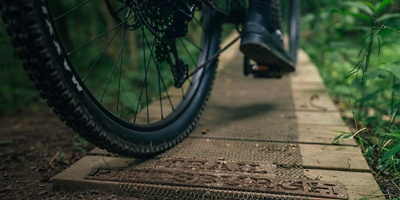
x=256 y=138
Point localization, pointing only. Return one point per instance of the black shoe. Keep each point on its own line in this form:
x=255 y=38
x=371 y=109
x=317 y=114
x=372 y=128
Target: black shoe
x=264 y=47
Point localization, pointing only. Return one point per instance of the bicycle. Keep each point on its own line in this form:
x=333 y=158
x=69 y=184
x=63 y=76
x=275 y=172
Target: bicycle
x=109 y=75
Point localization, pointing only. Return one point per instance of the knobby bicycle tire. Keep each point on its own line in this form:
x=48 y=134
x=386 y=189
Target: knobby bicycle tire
x=34 y=32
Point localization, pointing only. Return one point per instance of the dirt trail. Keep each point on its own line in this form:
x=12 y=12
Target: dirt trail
x=34 y=146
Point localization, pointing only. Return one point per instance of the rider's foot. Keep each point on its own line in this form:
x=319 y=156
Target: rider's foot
x=264 y=46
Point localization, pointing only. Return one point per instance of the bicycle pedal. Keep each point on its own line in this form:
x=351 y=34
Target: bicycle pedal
x=264 y=71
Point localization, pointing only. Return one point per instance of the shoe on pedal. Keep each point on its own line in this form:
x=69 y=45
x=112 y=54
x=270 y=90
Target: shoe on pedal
x=263 y=46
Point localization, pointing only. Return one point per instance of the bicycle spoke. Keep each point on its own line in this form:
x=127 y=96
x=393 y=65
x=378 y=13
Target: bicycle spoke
x=194 y=44
x=188 y=52
x=164 y=86
x=120 y=75
x=214 y=56
x=101 y=55
x=145 y=80
x=114 y=67
x=72 y=10
x=120 y=68
x=198 y=23
x=190 y=55
x=99 y=36
x=147 y=98
x=166 y=92
x=119 y=10
x=144 y=93
x=159 y=90
x=163 y=83
x=145 y=75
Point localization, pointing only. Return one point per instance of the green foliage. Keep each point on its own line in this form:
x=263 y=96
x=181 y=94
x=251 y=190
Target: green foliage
x=81 y=145
x=15 y=87
x=355 y=44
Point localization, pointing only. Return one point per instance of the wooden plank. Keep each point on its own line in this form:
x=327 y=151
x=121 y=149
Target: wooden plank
x=335 y=157
x=74 y=176
x=303 y=86
x=306 y=73
x=359 y=185
x=319 y=118
x=302 y=58
x=314 y=126
x=323 y=134
x=313 y=101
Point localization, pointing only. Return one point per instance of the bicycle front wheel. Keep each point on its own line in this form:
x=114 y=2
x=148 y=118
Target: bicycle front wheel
x=106 y=70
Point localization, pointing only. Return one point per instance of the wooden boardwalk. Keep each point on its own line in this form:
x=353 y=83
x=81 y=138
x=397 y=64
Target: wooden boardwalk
x=258 y=129
x=318 y=123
